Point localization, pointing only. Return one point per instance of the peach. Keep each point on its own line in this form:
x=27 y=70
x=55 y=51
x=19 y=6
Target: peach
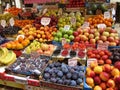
x=115 y=72
x=90 y=81
x=91 y=73
x=97 y=88
x=97 y=80
x=107 y=68
x=103 y=86
x=111 y=83
x=98 y=69
x=93 y=64
x=104 y=76
x=109 y=89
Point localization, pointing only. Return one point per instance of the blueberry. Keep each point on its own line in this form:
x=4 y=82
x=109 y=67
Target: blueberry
x=79 y=81
x=69 y=75
x=60 y=81
x=53 y=80
x=81 y=74
x=73 y=83
x=47 y=69
x=60 y=73
x=46 y=75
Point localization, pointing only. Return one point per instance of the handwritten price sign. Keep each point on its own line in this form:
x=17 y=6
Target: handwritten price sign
x=72 y=62
x=45 y=21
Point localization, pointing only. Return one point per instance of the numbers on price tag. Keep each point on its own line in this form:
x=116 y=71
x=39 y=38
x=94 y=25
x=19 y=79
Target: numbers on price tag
x=12 y=22
x=102 y=46
x=3 y=23
x=91 y=60
x=107 y=15
x=72 y=62
x=101 y=26
x=73 y=20
x=20 y=80
x=67 y=27
x=45 y=21
x=85 y=25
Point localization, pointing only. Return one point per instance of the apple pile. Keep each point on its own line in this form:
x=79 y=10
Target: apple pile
x=97 y=36
x=42 y=34
x=66 y=19
x=102 y=56
x=102 y=77
x=62 y=33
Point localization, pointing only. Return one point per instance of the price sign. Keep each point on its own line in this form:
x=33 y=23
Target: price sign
x=107 y=15
x=85 y=25
x=33 y=82
x=72 y=62
x=63 y=41
x=9 y=77
x=20 y=36
x=101 y=26
x=102 y=46
x=3 y=23
x=73 y=20
x=67 y=27
x=12 y=22
x=20 y=80
x=91 y=60
x=45 y=21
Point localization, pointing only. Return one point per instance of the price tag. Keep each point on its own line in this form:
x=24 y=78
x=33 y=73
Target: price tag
x=3 y=23
x=12 y=22
x=45 y=21
x=85 y=25
x=72 y=62
x=101 y=26
x=102 y=46
x=20 y=80
x=91 y=60
x=20 y=36
x=67 y=27
x=107 y=15
x=73 y=20
x=9 y=77
x=63 y=41
x=33 y=82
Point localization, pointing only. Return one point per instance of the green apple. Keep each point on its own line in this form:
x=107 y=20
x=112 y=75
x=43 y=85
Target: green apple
x=56 y=39
x=68 y=40
x=65 y=36
x=59 y=34
x=60 y=39
x=61 y=29
x=71 y=37
x=70 y=32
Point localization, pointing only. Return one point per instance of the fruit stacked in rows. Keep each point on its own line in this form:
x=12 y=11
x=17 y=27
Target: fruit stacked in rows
x=97 y=36
x=102 y=56
x=2 y=40
x=19 y=44
x=62 y=33
x=104 y=77
x=7 y=57
x=61 y=73
x=67 y=18
x=23 y=23
x=41 y=48
x=99 y=19
x=42 y=34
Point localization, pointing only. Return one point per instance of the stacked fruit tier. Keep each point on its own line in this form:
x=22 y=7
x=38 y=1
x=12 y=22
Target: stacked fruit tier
x=28 y=66
x=63 y=74
x=76 y=3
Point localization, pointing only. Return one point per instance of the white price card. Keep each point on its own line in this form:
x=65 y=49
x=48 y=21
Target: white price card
x=72 y=62
x=3 y=23
x=12 y=22
x=101 y=26
x=102 y=46
x=20 y=36
x=67 y=27
x=73 y=20
x=63 y=41
x=107 y=15
x=85 y=25
x=45 y=21
x=20 y=80
x=91 y=60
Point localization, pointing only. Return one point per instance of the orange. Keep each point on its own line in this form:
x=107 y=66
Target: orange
x=19 y=46
x=30 y=37
x=43 y=36
x=27 y=41
x=24 y=43
x=20 y=39
x=8 y=45
x=14 y=46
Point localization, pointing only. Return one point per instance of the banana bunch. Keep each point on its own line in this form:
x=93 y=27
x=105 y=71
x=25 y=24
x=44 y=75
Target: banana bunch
x=7 y=57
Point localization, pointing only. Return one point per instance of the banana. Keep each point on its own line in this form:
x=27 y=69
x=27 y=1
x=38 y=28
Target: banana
x=13 y=60
x=4 y=52
x=10 y=58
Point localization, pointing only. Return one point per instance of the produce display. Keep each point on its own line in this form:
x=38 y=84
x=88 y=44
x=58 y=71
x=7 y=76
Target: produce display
x=41 y=48
x=97 y=36
x=23 y=23
x=99 y=19
x=2 y=39
x=7 y=57
x=61 y=73
x=42 y=34
x=105 y=77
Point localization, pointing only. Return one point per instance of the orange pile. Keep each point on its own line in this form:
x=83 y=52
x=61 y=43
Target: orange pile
x=22 y=23
x=99 y=19
x=17 y=44
x=14 y=11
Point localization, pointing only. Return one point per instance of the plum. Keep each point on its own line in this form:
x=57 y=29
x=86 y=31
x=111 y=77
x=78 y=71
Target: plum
x=81 y=74
x=79 y=81
x=53 y=80
x=58 y=64
x=46 y=75
x=50 y=71
x=81 y=68
x=53 y=75
x=47 y=69
x=51 y=65
x=64 y=68
x=56 y=71
x=66 y=82
x=60 y=81
x=73 y=83
x=60 y=74
x=74 y=76
x=69 y=75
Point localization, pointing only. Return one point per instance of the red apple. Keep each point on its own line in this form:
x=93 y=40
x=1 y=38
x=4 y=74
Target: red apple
x=117 y=64
x=75 y=33
x=99 y=41
x=86 y=34
x=105 y=57
x=111 y=39
x=104 y=76
x=92 y=41
x=107 y=68
x=77 y=39
x=101 y=30
x=97 y=80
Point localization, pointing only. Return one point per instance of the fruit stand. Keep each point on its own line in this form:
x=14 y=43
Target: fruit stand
x=60 y=49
